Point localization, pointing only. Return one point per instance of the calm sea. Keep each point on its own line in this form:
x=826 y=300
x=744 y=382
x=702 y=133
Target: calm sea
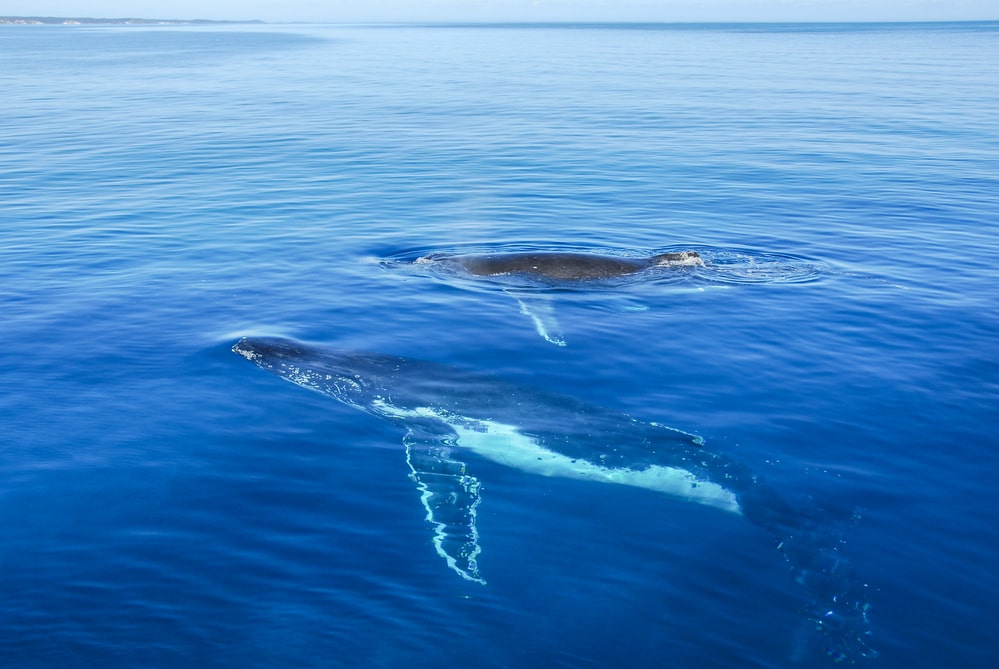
x=167 y=190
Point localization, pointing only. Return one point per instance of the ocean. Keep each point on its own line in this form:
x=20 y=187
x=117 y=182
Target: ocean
x=166 y=191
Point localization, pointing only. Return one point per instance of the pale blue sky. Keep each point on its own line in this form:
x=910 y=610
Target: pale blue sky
x=516 y=10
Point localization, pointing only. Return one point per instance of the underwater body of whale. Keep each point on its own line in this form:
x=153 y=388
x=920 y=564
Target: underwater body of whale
x=561 y=266
x=450 y=413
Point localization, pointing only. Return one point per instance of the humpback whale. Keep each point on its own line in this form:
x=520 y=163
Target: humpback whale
x=451 y=417
x=524 y=275
x=561 y=266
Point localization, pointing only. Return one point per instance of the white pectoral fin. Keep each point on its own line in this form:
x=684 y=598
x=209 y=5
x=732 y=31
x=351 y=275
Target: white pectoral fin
x=541 y=311
x=451 y=497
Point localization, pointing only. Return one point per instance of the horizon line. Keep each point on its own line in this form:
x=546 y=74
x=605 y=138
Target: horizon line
x=472 y=23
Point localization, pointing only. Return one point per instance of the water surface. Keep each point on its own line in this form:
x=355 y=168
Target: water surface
x=164 y=191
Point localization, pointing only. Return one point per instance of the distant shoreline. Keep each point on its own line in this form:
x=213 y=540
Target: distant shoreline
x=58 y=20
x=78 y=21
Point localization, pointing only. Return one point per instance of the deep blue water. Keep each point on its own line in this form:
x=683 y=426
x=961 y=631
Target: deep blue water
x=165 y=191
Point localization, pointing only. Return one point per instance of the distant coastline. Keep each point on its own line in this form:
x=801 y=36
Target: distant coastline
x=76 y=21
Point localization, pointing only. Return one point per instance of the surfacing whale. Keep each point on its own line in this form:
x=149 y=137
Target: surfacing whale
x=451 y=417
x=522 y=273
x=561 y=266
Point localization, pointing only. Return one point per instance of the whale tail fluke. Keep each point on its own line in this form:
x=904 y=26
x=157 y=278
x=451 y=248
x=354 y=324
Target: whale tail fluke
x=811 y=540
x=838 y=608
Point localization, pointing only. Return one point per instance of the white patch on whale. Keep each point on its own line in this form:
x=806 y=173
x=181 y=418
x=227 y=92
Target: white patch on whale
x=506 y=445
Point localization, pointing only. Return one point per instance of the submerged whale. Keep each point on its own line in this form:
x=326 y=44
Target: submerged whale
x=561 y=266
x=451 y=417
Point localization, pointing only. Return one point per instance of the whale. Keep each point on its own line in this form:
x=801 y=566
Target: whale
x=529 y=276
x=453 y=418
x=561 y=266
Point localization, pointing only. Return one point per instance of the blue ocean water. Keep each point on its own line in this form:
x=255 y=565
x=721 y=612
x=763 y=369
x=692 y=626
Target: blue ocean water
x=165 y=191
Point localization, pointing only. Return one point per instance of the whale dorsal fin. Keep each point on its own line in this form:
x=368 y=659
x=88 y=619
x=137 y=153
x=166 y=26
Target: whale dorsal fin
x=451 y=496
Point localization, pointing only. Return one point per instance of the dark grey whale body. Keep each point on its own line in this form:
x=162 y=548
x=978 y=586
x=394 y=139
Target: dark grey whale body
x=517 y=270
x=562 y=266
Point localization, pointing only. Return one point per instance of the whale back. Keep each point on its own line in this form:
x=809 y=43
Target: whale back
x=562 y=266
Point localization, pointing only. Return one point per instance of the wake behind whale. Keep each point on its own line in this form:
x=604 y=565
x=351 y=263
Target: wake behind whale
x=451 y=417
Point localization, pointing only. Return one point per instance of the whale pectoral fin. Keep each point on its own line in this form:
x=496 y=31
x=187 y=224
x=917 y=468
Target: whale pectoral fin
x=451 y=496
x=541 y=311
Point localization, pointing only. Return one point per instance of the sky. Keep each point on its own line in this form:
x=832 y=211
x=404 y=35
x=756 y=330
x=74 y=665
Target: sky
x=337 y=11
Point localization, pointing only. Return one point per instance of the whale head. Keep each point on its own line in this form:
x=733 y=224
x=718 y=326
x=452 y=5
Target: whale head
x=356 y=379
